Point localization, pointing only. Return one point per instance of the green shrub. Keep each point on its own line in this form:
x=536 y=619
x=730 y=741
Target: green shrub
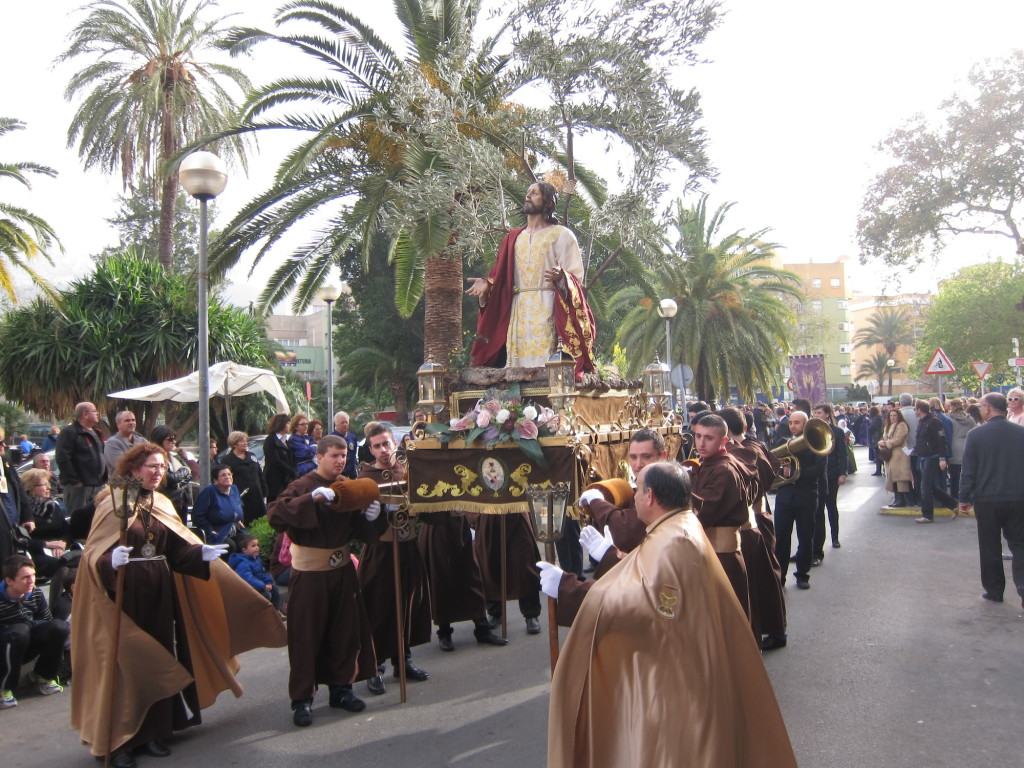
x=261 y=529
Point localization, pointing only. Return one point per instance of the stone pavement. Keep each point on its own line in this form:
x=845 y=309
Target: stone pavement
x=894 y=660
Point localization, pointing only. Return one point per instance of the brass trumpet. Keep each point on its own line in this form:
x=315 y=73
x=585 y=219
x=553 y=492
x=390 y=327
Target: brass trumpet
x=817 y=438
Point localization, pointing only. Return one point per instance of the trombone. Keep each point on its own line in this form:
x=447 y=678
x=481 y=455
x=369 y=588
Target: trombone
x=817 y=438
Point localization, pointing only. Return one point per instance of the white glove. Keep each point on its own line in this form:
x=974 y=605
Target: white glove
x=550 y=577
x=212 y=551
x=372 y=512
x=588 y=496
x=327 y=494
x=596 y=544
x=119 y=556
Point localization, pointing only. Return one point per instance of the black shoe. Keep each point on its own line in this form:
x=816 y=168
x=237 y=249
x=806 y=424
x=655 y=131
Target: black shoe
x=875 y=474
x=347 y=701
x=413 y=672
x=302 y=714
x=835 y=544
x=123 y=759
x=375 y=685
x=155 y=749
x=773 y=642
x=817 y=561
x=489 y=638
x=993 y=598
x=532 y=626
x=803 y=584
x=446 y=643
x=493 y=621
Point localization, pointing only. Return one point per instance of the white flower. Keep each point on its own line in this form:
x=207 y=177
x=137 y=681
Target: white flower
x=530 y=412
x=502 y=416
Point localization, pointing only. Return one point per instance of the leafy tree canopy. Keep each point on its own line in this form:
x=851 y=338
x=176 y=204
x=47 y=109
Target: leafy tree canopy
x=127 y=324
x=964 y=176
x=973 y=318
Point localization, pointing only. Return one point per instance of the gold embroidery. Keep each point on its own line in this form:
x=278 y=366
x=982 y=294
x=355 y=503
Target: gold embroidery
x=468 y=478
x=668 y=602
x=520 y=479
x=441 y=488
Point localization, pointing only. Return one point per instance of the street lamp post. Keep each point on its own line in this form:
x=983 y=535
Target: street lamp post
x=891 y=364
x=329 y=294
x=667 y=309
x=204 y=176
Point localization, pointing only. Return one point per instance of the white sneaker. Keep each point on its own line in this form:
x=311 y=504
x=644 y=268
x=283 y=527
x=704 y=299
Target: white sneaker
x=7 y=700
x=48 y=687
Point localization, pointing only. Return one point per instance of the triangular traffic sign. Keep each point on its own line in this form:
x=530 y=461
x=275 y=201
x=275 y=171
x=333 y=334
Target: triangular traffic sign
x=981 y=369
x=940 y=363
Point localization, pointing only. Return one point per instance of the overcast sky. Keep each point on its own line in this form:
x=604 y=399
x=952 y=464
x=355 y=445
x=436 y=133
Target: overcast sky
x=796 y=96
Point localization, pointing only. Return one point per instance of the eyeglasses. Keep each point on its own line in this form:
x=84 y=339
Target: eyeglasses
x=1013 y=398
x=155 y=467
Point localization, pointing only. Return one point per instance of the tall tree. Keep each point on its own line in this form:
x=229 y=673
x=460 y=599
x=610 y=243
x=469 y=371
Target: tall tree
x=428 y=146
x=148 y=92
x=23 y=235
x=876 y=367
x=965 y=176
x=732 y=325
x=890 y=328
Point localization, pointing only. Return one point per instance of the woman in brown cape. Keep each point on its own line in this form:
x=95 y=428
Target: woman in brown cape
x=185 y=616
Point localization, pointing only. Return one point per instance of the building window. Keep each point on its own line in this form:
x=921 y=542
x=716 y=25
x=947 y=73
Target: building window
x=841 y=304
x=816 y=306
x=816 y=282
x=844 y=349
x=844 y=370
x=835 y=282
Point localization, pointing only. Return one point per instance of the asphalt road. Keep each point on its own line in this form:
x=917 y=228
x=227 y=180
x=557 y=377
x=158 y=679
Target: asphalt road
x=894 y=660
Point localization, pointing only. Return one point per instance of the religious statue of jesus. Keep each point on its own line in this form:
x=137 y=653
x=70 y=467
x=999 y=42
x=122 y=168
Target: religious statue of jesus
x=534 y=294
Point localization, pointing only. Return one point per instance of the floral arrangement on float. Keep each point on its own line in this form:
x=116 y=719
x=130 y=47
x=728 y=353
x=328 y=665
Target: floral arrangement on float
x=502 y=418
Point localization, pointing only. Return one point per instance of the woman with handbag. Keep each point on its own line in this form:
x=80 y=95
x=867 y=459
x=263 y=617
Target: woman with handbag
x=898 y=477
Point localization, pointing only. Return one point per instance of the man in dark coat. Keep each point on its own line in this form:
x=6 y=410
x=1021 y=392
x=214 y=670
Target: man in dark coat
x=79 y=456
x=329 y=638
x=795 y=503
x=930 y=450
x=992 y=482
x=377 y=573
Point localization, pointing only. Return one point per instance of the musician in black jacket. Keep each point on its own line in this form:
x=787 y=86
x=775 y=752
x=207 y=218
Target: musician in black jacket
x=795 y=504
x=834 y=476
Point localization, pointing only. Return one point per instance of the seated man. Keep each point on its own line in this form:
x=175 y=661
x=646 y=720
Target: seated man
x=27 y=631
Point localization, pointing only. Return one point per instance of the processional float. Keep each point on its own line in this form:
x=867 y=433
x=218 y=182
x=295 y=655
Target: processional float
x=521 y=447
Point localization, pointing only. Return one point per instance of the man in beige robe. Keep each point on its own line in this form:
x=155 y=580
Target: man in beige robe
x=660 y=667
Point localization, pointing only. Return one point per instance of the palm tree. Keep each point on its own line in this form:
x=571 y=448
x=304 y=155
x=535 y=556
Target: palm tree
x=23 y=235
x=876 y=368
x=890 y=328
x=732 y=324
x=147 y=92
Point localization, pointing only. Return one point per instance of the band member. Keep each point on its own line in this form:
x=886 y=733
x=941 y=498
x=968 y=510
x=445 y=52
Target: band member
x=794 y=505
x=329 y=640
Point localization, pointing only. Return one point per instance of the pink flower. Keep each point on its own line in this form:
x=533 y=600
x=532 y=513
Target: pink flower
x=527 y=429
x=483 y=418
x=466 y=422
x=492 y=406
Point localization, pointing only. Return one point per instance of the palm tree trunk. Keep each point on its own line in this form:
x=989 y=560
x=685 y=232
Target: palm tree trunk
x=442 y=307
x=400 y=395
x=169 y=189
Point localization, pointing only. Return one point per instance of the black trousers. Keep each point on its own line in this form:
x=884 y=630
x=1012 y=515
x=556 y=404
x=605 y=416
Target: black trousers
x=20 y=643
x=529 y=606
x=996 y=519
x=828 y=492
x=930 y=490
x=794 y=507
x=570 y=553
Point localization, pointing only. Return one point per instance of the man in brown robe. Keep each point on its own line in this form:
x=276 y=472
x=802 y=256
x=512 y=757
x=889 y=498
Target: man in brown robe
x=329 y=638
x=659 y=668
x=767 y=598
x=453 y=577
x=377 y=573
x=645 y=447
x=721 y=499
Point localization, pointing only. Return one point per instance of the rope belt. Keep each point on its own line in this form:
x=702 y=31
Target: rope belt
x=320 y=558
x=517 y=289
